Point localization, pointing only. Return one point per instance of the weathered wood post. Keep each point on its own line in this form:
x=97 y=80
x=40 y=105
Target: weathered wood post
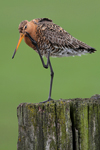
x=72 y=124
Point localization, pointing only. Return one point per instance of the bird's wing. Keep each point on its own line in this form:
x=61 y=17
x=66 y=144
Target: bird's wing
x=58 y=36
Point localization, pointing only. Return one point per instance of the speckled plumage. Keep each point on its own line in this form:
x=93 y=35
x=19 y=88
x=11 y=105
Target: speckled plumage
x=49 y=39
x=53 y=38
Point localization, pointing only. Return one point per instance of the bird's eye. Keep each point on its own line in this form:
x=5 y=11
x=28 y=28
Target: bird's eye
x=25 y=26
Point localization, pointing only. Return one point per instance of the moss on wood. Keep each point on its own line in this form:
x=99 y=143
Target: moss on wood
x=72 y=124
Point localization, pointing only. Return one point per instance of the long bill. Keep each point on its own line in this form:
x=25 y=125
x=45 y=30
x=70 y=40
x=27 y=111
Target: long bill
x=19 y=41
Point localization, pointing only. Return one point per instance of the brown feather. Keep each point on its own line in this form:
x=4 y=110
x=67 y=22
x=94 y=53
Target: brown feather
x=58 y=36
x=53 y=38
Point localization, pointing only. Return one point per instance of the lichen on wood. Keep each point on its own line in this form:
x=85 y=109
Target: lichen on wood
x=72 y=124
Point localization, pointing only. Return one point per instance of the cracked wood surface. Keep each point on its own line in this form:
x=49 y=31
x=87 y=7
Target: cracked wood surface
x=72 y=124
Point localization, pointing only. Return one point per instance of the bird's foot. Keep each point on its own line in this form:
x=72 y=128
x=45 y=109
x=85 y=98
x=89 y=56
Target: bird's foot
x=49 y=99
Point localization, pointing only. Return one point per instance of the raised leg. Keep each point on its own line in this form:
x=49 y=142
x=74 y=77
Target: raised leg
x=44 y=65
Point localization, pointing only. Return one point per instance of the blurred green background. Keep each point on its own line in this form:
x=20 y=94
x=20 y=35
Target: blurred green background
x=23 y=79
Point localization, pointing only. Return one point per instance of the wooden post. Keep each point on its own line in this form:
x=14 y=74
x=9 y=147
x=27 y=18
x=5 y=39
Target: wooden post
x=72 y=124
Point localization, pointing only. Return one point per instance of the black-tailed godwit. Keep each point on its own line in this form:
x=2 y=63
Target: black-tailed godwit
x=49 y=39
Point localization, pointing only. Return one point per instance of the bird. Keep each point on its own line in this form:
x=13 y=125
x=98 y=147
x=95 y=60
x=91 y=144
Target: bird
x=50 y=40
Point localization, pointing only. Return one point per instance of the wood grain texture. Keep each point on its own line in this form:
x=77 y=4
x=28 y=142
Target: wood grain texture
x=72 y=124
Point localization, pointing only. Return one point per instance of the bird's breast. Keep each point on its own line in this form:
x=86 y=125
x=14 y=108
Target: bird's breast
x=28 y=42
x=33 y=34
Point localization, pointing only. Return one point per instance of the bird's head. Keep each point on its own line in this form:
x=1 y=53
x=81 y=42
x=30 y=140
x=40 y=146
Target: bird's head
x=24 y=28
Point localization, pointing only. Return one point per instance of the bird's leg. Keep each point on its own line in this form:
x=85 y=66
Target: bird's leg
x=44 y=65
x=52 y=75
x=34 y=43
x=51 y=70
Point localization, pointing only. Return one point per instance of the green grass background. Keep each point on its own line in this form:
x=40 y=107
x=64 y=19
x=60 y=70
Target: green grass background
x=23 y=79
